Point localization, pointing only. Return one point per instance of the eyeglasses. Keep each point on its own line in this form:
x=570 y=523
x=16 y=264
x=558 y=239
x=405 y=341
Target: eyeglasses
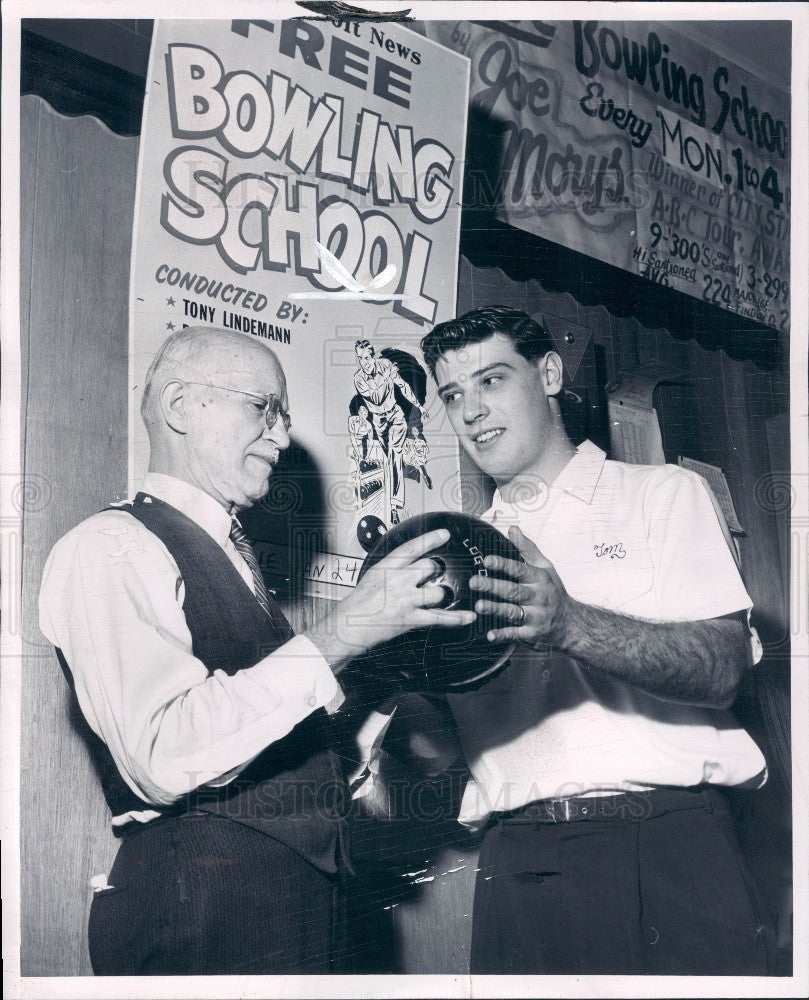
x=271 y=408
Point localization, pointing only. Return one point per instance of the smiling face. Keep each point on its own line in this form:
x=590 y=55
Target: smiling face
x=230 y=453
x=498 y=404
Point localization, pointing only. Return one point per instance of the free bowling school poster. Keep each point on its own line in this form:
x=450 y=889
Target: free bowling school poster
x=301 y=181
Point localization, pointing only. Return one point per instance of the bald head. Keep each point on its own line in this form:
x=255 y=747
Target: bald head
x=200 y=354
x=211 y=404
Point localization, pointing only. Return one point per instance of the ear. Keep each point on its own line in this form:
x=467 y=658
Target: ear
x=552 y=370
x=174 y=406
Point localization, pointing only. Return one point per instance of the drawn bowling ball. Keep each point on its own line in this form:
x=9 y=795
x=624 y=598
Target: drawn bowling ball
x=369 y=530
x=437 y=658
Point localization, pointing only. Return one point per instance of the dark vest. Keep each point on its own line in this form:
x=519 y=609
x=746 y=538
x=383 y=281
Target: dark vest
x=294 y=790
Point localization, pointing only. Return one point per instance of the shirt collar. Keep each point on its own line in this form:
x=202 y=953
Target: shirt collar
x=579 y=478
x=203 y=510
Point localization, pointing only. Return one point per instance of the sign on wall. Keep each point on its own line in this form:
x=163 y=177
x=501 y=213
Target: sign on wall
x=631 y=143
x=299 y=181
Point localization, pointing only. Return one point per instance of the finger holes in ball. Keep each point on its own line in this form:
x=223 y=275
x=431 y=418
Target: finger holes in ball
x=438 y=572
x=449 y=599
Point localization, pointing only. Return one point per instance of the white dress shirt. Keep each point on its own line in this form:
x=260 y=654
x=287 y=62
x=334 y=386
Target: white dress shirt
x=643 y=541
x=112 y=601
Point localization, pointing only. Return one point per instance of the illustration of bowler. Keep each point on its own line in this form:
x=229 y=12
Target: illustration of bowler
x=376 y=381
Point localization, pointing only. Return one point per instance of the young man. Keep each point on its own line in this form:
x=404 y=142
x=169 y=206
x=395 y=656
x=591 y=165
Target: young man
x=596 y=753
x=206 y=714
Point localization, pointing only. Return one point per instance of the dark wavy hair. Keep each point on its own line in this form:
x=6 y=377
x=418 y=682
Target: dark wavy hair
x=529 y=337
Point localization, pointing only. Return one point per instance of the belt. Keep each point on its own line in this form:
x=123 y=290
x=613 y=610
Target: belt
x=631 y=806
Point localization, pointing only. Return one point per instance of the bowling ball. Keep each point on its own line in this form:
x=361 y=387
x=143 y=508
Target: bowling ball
x=369 y=529
x=439 y=658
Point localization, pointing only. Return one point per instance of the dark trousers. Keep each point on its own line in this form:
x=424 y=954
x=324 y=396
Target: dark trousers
x=660 y=890
x=203 y=895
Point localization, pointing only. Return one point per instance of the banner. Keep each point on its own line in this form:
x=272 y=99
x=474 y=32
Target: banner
x=631 y=143
x=299 y=181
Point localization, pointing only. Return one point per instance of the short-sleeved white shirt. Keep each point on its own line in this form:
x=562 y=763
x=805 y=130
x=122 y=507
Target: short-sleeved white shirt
x=643 y=541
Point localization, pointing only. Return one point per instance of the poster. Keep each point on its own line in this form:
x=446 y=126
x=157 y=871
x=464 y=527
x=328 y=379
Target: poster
x=632 y=143
x=297 y=183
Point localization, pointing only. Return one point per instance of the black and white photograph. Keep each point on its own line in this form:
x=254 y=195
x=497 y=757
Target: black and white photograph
x=404 y=499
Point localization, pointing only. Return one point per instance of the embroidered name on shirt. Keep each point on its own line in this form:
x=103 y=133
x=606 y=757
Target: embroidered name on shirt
x=614 y=551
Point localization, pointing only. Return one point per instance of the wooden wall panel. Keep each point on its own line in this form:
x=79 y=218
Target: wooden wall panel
x=435 y=931
x=78 y=183
x=749 y=405
x=719 y=415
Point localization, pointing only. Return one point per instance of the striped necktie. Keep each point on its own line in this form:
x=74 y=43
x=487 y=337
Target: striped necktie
x=245 y=550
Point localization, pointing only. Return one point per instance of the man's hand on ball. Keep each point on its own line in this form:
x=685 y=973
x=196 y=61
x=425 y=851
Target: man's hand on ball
x=528 y=598
x=397 y=595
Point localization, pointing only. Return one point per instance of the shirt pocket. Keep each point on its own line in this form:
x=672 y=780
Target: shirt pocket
x=612 y=574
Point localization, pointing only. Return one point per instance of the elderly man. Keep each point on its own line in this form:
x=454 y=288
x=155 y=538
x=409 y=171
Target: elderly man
x=206 y=714
x=597 y=753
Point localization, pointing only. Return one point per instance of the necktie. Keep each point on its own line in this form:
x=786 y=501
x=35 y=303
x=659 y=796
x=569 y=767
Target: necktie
x=245 y=550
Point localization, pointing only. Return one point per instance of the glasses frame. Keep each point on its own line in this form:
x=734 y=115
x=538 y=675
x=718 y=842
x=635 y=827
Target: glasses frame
x=272 y=403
